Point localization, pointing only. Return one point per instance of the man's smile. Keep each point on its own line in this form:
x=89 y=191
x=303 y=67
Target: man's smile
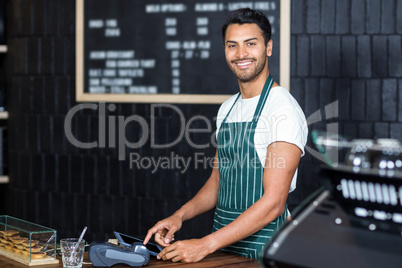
x=243 y=63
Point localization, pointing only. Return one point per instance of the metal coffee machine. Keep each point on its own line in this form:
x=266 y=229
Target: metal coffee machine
x=355 y=219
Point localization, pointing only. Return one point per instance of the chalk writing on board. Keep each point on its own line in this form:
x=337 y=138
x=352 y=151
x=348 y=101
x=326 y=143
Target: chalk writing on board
x=140 y=47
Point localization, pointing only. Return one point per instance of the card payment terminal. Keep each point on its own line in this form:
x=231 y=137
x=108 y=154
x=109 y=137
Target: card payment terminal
x=131 y=251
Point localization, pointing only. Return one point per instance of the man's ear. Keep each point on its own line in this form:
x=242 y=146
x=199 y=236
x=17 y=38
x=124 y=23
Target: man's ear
x=269 y=48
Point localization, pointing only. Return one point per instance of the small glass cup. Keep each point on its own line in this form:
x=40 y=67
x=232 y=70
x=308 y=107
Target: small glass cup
x=72 y=256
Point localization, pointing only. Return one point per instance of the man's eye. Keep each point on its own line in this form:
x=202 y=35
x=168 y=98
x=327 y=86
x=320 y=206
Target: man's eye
x=251 y=44
x=231 y=46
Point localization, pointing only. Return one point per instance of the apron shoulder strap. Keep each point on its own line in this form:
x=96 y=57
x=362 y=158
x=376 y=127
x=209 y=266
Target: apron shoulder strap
x=263 y=98
x=234 y=103
x=261 y=102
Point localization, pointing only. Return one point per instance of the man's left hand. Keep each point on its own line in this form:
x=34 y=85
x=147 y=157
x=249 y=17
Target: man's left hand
x=192 y=250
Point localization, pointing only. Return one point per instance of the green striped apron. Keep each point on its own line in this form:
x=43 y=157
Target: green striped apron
x=240 y=179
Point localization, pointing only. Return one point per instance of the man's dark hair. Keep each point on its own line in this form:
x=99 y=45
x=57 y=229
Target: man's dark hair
x=247 y=15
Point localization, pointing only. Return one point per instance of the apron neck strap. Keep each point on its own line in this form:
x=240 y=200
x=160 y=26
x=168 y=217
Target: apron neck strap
x=261 y=101
x=263 y=98
x=234 y=103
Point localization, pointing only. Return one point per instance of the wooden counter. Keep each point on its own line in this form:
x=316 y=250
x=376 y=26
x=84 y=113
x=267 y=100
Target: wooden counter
x=217 y=259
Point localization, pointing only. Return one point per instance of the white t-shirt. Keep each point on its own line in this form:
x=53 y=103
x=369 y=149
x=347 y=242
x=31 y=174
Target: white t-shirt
x=281 y=119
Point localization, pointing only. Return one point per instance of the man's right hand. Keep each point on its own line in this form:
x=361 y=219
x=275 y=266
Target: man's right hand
x=164 y=230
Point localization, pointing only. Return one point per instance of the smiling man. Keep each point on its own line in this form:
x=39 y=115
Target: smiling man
x=261 y=134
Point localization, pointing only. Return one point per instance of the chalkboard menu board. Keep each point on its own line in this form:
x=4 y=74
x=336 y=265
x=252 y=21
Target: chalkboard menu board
x=165 y=51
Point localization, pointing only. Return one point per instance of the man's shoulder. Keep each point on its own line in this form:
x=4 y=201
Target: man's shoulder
x=280 y=91
x=281 y=96
x=281 y=101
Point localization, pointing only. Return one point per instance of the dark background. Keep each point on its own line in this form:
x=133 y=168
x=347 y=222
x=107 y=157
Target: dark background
x=341 y=50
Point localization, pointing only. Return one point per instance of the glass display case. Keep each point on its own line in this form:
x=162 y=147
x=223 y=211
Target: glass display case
x=27 y=242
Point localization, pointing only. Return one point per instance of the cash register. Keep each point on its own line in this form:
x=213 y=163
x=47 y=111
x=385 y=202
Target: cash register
x=355 y=219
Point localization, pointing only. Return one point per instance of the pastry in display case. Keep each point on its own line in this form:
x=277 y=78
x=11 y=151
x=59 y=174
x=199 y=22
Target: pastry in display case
x=27 y=242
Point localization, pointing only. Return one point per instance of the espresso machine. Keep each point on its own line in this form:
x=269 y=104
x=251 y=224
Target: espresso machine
x=355 y=218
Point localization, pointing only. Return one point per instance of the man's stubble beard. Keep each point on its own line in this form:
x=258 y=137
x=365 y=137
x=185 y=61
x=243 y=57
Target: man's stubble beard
x=247 y=76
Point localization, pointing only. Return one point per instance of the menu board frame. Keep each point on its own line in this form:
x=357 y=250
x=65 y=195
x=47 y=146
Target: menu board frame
x=82 y=96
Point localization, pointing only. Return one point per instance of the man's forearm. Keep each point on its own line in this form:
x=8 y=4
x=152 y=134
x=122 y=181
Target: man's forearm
x=203 y=201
